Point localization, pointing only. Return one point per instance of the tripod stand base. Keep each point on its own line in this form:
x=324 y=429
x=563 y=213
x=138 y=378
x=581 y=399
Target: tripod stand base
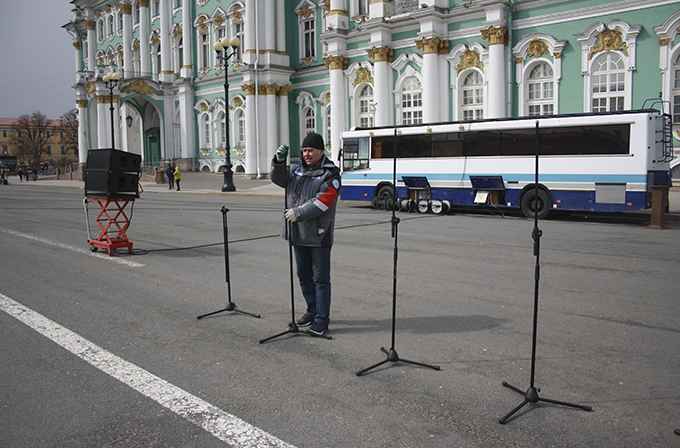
x=393 y=357
x=294 y=329
x=230 y=307
x=531 y=396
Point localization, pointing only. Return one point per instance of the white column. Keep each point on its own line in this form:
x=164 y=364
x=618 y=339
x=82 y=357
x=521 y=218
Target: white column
x=381 y=85
x=126 y=10
x=443 y=86
x=496 y=71
x=337 y=65
x=284 y=123
x=144 y=50
x=91 y=44
x=103 y=118
x=430 y=79
x=167 y=74
x=249 y=31
x=187 y=120
x=79 y=55
x=280 y=26
x=337 y=17
x=168 y=140
x=270 y=22
x=116 y=121
x=187 y=49
x=262 y=131
x=272 y=138
x=83 y=123
x=251 y=136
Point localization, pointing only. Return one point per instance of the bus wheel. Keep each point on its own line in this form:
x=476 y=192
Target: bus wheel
x=423 y=206
x=436 y=206
x=386 y=191
x=529 y=204
x=446 y=207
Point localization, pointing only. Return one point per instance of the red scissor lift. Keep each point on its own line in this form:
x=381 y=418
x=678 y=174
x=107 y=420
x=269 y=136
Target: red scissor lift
x=112 y=182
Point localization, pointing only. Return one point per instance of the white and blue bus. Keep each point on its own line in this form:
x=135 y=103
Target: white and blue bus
x=603 y=162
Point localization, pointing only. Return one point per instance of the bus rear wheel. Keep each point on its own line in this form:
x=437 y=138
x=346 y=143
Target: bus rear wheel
x=529 y=204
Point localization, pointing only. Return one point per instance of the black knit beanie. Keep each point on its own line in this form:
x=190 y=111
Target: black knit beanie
x=313 y=140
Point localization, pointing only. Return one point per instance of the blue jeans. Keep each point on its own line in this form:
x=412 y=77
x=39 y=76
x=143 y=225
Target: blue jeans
x=314 y=273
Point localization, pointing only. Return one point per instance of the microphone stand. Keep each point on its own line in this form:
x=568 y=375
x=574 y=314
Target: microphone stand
x=392 y=355
x=292 y=326
x=230 y=305
x=531 y=395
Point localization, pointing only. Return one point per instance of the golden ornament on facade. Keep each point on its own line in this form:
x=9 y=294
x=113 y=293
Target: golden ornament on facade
x=126 y=8
x=155 y=39
x=202 y=2
x=219 y=20
x=381 y=54
x=76 y=45
x=249 y=89
x=284 y=90
x=537 y=48
x=305 y=12
x=139 y=86
x=177 y=31
x=326 y=6
x=238 y=102
x=143 y=3
x=363 y=75
x=496 y=36
x=89 y=25
x=609 y=40
x=81 y=103
x=108 y=9
x=664 y=42
x=469 y=59
x=270 y=89
x=428 y=45
x=336 y=62
x=558 y=55
x=135 y=46
x=91 y=88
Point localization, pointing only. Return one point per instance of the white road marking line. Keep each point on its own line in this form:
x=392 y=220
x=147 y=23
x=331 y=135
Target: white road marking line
x=222 y=425
x=123 y=261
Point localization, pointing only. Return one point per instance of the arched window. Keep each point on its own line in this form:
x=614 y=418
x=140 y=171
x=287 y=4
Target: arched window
x=540 y=90
x=411 y=101
x=473 y=96
x=204 y=56
x=365 y=107
x=676 y=90
x=309 y=118
x=609 y=83
x=205 y=132
x=240 y=120
x=100 y=30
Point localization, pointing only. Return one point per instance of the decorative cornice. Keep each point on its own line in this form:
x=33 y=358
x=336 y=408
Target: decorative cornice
x=249 y=89
x=496 y=36
x=428 y=45
x=270 y=89
x=664 y=42
x=101 y=99
x=126 y=8
x=138 y=86
x=381 y=54
x=90 y=25
x=81 y=103
x=336 y=62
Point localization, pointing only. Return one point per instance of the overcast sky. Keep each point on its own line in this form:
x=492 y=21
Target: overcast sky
x=37 y=58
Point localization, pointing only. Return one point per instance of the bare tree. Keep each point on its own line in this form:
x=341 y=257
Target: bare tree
x=69 y=127
x=30 y=135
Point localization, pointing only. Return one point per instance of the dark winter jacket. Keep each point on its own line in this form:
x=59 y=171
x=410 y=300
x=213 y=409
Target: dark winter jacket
x=312 y=193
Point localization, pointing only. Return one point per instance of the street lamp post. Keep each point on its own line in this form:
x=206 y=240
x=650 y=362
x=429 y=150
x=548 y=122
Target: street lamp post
x=111 y=81
x=221 y=48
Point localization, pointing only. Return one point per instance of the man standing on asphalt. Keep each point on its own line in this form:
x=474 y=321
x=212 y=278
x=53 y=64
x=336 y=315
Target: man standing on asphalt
x=312 y=189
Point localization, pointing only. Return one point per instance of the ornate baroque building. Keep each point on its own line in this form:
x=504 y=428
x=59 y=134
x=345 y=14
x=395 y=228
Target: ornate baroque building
x=330 y=65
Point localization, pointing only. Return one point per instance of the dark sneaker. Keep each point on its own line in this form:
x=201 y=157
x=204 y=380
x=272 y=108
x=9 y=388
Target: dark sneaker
x=305 y=320
x=318 y=329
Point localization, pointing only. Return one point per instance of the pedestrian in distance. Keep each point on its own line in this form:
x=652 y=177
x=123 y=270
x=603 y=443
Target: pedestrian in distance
x=34 y=173
x=312 y=190
x=177 y=175
x=24 y=174
x=170 y=174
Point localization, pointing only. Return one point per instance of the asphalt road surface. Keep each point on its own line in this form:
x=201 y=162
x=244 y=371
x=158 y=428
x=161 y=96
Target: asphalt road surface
x=101 y=351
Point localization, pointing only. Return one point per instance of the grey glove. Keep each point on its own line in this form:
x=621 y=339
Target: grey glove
x=281 y=153
x=290 y=215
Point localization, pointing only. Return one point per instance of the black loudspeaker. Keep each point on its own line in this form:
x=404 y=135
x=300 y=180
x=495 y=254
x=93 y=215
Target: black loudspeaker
x=113 y=160
x=112 y=174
